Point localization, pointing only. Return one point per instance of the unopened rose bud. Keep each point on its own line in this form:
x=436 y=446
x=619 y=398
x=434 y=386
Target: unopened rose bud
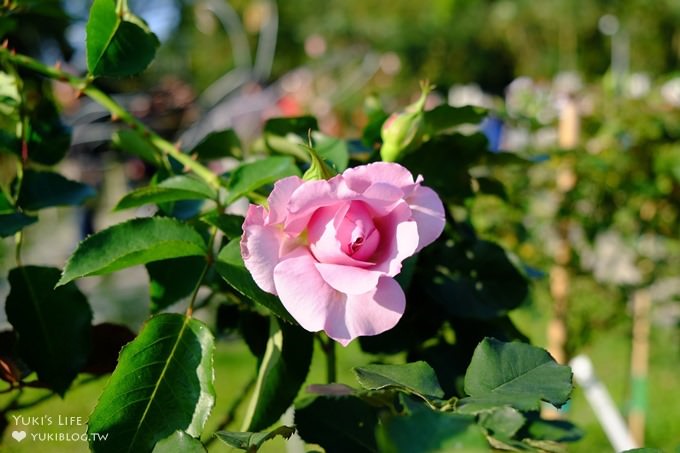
x=404 y=131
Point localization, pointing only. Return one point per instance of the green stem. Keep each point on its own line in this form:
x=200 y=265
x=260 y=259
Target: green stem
x=208 y=262
x=117 y=111
x=328 y=348
x=19 y=239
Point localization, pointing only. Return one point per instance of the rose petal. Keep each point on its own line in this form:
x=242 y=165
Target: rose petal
x=260 y=249
x=361 y=177
x=323 y=240
x=370 y=313
x=306 y=296
x=348 y=279
x=399 y=240
x=279 y=198
x=428 y=212
x=305 y=200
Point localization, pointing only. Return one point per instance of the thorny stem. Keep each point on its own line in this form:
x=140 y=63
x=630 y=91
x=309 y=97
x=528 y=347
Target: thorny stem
x=85 y=86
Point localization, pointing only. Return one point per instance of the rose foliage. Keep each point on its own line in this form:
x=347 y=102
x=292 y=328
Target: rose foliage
x=357 y=248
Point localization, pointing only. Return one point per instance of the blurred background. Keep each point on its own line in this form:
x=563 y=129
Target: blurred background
x=587 y=91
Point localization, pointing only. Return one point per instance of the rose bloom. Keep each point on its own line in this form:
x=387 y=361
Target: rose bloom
x=330 y=249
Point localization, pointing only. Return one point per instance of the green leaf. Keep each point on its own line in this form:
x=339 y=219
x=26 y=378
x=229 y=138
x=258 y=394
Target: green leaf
x=476 y=279
x=491 y=186
x=254 y=175
x=417 y=377
x=52 y=325
x=503 y=421
x=229 y=224
x=219 y=144
x=333 y=150
x=425 y=430
x=119 y=44
x=555 y=430
x=514 y=374
x=446 y=116
x=230 y=266
x=16 y=221
x=173 y=279
x=48 y=138
x=176 y=188
x=44 y=189
x=251 y=442
x=6 y=206
x=283 y=370
x=132 y=142
x=179 y=441
x=163 y=383
x=130 y=243
x=285 y=135
x=339 y=425
x=451 y=180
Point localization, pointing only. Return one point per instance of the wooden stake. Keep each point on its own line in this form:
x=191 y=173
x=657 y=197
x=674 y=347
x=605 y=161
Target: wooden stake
x=639 y=365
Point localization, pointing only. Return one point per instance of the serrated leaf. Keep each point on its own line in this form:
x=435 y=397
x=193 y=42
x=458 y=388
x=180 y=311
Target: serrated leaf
x=230 y=266
x=251 y=442
x=425 y=430
x=173 y=279
x=137 y=241
x=176 y=188
x=119 y=44
x=254 y=175
x=44 y=189
x=218 y=144
x=132 y=142
x=339 y=425
x=14 y=222
x=52 y=325
x=163 y=383
x=229 y=224
x=417 y=377
x=179 y=441
x=514 y=374
x=282 y=372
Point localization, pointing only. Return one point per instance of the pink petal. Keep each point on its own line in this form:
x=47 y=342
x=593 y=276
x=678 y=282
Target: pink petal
x=399 y=240
x=428 y=212
x=361 y=177
x=370 y=313
x=306 y=296
x=348 y=279
x=322 y=236
x=304 y=201
x=261 y=248
x=280 y=196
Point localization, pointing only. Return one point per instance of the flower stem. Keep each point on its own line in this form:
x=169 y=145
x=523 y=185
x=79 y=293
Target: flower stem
x=328 y=348
x=209 y=259
x=85 y=86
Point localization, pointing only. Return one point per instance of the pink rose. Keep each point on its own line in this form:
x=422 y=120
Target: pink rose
x=329 y=249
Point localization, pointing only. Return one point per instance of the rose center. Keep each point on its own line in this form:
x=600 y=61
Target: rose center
x=357 y=234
